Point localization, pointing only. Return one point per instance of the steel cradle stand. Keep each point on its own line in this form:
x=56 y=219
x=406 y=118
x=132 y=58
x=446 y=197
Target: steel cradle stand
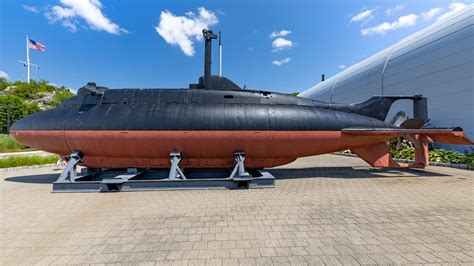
x=175 y=178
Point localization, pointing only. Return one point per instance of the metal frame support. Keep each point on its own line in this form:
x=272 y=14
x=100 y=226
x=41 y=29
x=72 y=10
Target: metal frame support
x=175 y=171
x=239 y=168
x=70 y=172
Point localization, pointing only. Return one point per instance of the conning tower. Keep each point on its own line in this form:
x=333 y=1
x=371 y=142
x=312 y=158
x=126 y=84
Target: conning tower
x=209 y=81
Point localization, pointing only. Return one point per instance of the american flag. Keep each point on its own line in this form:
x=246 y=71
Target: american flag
x=36 y=45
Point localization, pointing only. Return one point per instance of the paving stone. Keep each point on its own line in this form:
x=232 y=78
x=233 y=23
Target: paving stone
x=230 y=262
x=397 y=258
x=331 y=260
x=429 y=257
x=414 y=258
x=329 y=250
x=313 y=260
x=222 y=253
x=296 y=260
x=463 y=256
x=380 y=259
x=267 y=252
x=447 y=257
x=247 y=261
x=237 y=253
x=206 y=254
x=363 y=259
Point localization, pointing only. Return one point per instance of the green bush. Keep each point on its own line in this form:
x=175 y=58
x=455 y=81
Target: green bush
x=469 y=160
x=61 y=95
x=446 y=156
x=407 y=153
x=32 y=90
x=15 y=161
x=438 y=156
x=9 y=144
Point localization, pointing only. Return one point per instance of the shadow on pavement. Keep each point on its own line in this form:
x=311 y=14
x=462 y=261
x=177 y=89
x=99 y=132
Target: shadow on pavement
x=34 y=179
x=348 y=172
x=285 y=173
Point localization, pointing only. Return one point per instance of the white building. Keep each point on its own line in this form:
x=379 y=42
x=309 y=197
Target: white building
x=437 y=62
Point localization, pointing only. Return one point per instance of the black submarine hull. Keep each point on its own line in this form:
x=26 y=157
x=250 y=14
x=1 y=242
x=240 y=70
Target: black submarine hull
x=125 y=134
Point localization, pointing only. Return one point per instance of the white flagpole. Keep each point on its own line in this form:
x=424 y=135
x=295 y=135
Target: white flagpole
x=27 y=59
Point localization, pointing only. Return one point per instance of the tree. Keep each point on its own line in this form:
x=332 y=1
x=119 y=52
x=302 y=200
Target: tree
x=3 y=83
x=12 y=108
x=22 y=98
x=61 y=95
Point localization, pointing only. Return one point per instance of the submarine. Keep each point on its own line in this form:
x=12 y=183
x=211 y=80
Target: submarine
x=211 y=121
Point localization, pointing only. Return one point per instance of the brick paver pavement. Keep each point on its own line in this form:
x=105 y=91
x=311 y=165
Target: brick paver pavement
x=324 y=210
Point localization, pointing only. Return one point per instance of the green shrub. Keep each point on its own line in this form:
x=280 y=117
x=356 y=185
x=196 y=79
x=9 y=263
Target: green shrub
x=9 y=144
x=61 y=95
x=438 y=156
x=446 y=156
x=469 y=160
x=15 y=161
x=407 y=153
x=32 y=90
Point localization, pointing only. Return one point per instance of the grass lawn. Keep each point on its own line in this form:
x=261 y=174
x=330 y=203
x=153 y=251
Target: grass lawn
x=9 y=144
x=15 y=161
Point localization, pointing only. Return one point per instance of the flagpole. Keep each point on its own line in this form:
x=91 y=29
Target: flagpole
x=27 y=60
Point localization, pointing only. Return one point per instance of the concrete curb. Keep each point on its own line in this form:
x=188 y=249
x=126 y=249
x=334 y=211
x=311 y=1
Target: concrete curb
x=451 y=165
x=26 y=167
x=25 y=153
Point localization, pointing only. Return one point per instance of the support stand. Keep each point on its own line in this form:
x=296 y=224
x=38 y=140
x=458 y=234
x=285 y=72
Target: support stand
x=70 y=171
x=175 y=171
x=239 y=168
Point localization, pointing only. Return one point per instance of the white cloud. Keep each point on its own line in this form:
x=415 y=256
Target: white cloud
x=365 y=15
x=281 y=43
x=401 y=22
x=411 y=19
x=281 y=33
x=281 y=62
x=342 y=66
x=3 y=74
x=430 y=14
x=453 y=8
x=393 y=10
x=32 y=9
x=184 y=30
x=89 y=10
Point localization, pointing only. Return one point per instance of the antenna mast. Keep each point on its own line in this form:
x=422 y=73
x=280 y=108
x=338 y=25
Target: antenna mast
x=220 y=54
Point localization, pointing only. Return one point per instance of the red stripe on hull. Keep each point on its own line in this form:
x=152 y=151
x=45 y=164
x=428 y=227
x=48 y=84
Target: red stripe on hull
x=200 y=149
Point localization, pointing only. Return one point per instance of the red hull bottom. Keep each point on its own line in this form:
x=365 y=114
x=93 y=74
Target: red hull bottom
x=199 y=149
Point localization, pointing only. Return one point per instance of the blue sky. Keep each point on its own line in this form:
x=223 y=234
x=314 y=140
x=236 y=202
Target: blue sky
x=156 y=43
